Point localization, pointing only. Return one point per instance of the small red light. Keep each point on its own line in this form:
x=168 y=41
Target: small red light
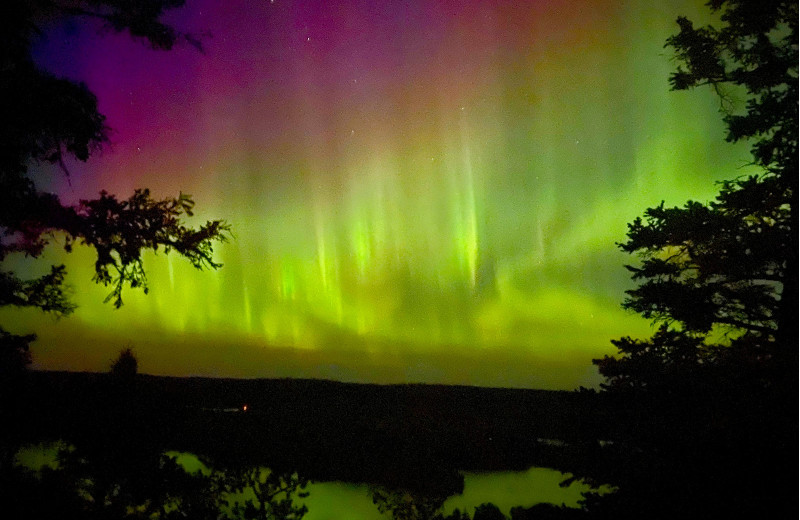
x=244 y=408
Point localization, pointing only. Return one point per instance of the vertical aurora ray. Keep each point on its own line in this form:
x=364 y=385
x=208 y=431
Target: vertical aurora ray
x=420 y=192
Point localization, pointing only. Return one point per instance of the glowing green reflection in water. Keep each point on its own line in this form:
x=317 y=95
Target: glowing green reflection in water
x=37 y=456
x=507 y=489
x=336 y=500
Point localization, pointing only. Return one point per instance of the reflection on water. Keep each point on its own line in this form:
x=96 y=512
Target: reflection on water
x=38 y=456
x=336 y=500
x=507 y=489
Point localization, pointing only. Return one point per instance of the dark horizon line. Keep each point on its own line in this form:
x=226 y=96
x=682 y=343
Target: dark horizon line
x=308 y=380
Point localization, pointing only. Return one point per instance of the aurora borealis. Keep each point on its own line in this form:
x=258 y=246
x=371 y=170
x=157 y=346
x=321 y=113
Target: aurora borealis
x=421 y=191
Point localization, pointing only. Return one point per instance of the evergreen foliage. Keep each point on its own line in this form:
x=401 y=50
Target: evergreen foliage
x=51 y=120
x=721 y=278
x=704 y=411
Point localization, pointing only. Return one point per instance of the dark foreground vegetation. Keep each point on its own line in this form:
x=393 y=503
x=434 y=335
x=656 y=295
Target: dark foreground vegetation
x=409 y=442
x=695 y=450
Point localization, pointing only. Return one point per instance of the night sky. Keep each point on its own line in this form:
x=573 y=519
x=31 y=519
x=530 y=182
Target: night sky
x=420 y=191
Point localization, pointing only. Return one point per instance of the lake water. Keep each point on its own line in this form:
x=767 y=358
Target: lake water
x=505 y=489
x=336 y=500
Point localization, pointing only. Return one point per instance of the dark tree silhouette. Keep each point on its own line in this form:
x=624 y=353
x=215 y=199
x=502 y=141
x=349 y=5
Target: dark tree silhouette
x=488 y=512
x=89 y=485
x=546 y=511
x=273 y=492
x=729 y=266
x=456 y=515
x=706 y=408
x=126 y=365
x=192 y=495
x=404 y=504
x=755 y=50
x=52 y=120
x=417 y=492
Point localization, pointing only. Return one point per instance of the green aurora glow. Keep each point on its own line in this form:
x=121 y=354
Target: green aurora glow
x=422 y=196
